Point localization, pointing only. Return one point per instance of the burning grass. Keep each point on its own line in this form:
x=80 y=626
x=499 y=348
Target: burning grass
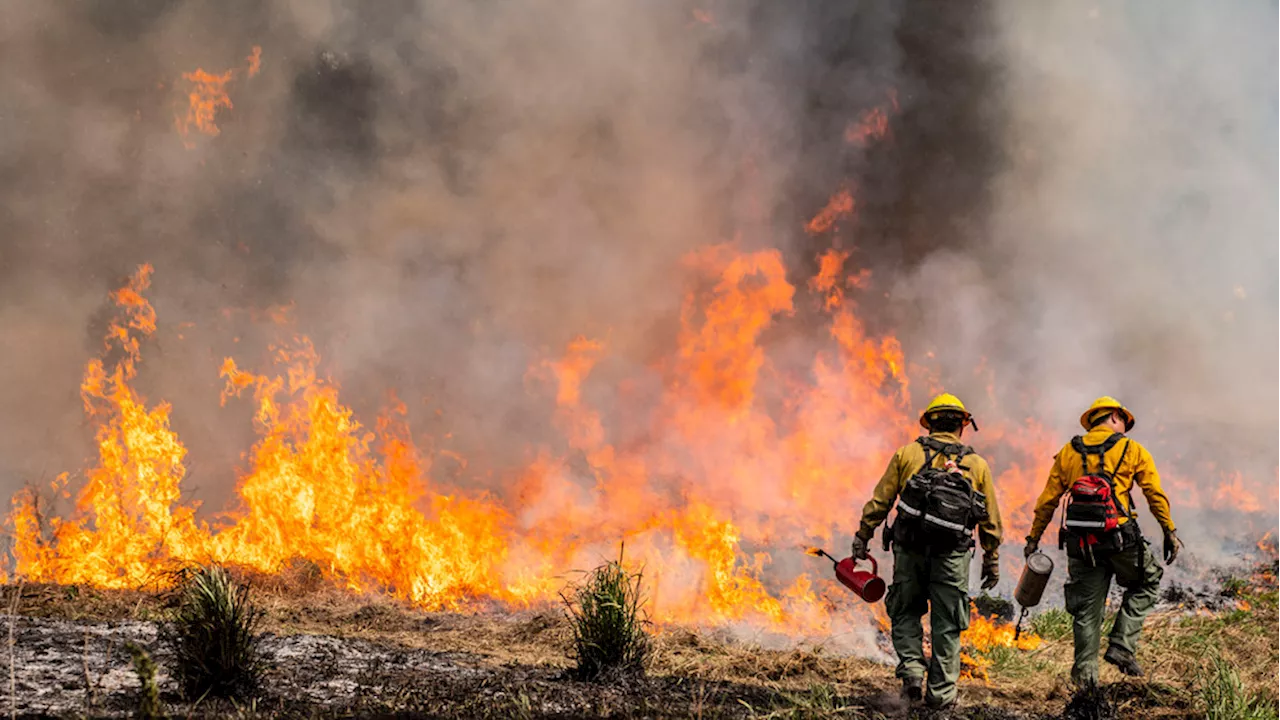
x=335 y=504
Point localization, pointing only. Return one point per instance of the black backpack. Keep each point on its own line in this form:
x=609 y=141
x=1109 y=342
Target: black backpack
x=938 y=508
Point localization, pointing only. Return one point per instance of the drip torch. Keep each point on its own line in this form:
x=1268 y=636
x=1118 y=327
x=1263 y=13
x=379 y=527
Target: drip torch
x=866 y=585
x=1035 y=577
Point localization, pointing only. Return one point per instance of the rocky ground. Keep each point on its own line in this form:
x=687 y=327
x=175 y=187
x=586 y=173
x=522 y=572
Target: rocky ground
x=331 y=653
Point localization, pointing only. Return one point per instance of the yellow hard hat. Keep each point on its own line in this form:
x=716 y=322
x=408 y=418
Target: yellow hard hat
x=946 y=402
x=1109 y=403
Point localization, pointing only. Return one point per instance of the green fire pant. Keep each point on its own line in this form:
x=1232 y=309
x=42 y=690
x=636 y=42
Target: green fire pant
x=938 y=584
x=1136 y=570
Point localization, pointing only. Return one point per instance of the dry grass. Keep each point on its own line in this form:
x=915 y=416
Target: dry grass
x=706 y=675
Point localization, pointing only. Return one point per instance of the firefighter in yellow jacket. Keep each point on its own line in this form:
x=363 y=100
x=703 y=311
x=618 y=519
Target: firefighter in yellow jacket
x=943 y=490
x=1096 y=552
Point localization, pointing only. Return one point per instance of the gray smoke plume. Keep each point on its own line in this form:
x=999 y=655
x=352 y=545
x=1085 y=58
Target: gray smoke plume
x=1130 y=247
x=445 y=193
x=1079 y=200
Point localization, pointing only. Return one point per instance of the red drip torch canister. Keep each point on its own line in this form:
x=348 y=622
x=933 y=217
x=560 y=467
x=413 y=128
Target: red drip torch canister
x=867 y=585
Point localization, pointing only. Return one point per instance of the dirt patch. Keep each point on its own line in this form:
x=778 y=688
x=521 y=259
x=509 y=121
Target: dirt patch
x=335 y=653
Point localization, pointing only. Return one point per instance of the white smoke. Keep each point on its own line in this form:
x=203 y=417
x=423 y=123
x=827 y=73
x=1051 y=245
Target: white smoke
x=1133 y=240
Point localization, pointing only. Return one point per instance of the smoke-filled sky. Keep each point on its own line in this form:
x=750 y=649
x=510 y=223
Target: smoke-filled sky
x=1080 y=199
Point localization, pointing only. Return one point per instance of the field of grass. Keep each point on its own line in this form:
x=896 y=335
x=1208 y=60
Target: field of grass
x=333 y=653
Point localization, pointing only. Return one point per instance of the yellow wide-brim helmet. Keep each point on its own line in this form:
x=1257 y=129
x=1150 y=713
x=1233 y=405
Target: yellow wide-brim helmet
x=946 y=402
x=1108 y=404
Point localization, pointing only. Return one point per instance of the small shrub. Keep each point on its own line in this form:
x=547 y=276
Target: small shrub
x=1054 y=624
x=149 y=692
x=1010 y=663
x=996 y=608
x=1234 y=586
x=609 y=626
x=216 y=651
x=1225 y=698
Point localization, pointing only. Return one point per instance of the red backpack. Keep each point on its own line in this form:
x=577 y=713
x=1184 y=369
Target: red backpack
x=1091 y=522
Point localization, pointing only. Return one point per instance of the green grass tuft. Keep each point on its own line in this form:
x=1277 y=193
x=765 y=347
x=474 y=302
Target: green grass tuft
x=610 y=637
x=1234 y=587
x=213 y=636
x=148 y=692
x=1053 y=624
x=1225 y=698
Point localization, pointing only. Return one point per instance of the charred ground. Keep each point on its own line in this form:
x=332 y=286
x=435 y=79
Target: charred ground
x=333 y=653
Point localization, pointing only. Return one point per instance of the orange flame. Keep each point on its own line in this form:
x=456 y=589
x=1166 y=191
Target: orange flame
x=255 y=61
x=742 y=459
x=982 y=635
x=840 y=205
x=208 y=94
x=873 y=125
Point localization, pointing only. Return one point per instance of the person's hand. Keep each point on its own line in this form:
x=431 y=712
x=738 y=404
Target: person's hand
x=990 y=573
x=1033 y=544
x=859 y=548
x=1171 y=546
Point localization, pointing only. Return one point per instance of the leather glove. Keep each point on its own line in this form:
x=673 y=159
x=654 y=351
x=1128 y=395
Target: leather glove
x=859 y=548
x=1033 y=544
x=990 y=573
x=1171 y=546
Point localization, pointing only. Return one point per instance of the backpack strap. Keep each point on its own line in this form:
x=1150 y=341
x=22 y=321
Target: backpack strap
x=956 y=450
x=931 y=449
x=1101 y=449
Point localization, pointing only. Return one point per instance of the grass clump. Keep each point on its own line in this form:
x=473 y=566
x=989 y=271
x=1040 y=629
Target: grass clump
x=1234 y=587
x=1053 y=624
x=148 y=692
x=213 y=637
x=610 y=637
x=1225 y=698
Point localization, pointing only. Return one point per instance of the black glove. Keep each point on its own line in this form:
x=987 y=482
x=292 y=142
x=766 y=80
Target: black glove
x=859 y=548
x=1033 y=544
x=990 y=573
x=1171 y=546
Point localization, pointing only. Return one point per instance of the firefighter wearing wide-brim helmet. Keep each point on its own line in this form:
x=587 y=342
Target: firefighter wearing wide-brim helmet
x=1101 y=408
x=1098 y=470
x=942 y=406
x=932 y=548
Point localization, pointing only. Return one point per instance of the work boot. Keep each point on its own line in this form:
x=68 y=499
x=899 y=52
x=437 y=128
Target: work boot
x=940 y=705
x=911 y=689
x=1123 y=659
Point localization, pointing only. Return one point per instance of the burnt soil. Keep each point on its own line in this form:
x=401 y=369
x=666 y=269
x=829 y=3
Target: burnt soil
x=336 y=654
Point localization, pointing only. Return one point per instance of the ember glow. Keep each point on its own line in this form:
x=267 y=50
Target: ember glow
x=873 y=124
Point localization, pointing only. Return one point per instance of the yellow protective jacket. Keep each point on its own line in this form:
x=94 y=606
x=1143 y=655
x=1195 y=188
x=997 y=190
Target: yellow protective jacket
x=1137 y=466
x=908 y=461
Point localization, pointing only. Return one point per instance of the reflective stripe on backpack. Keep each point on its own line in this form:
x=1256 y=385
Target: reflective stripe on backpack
x=958 y=527
x=1093 y=510
x=1086 y=524
x=908 y=509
